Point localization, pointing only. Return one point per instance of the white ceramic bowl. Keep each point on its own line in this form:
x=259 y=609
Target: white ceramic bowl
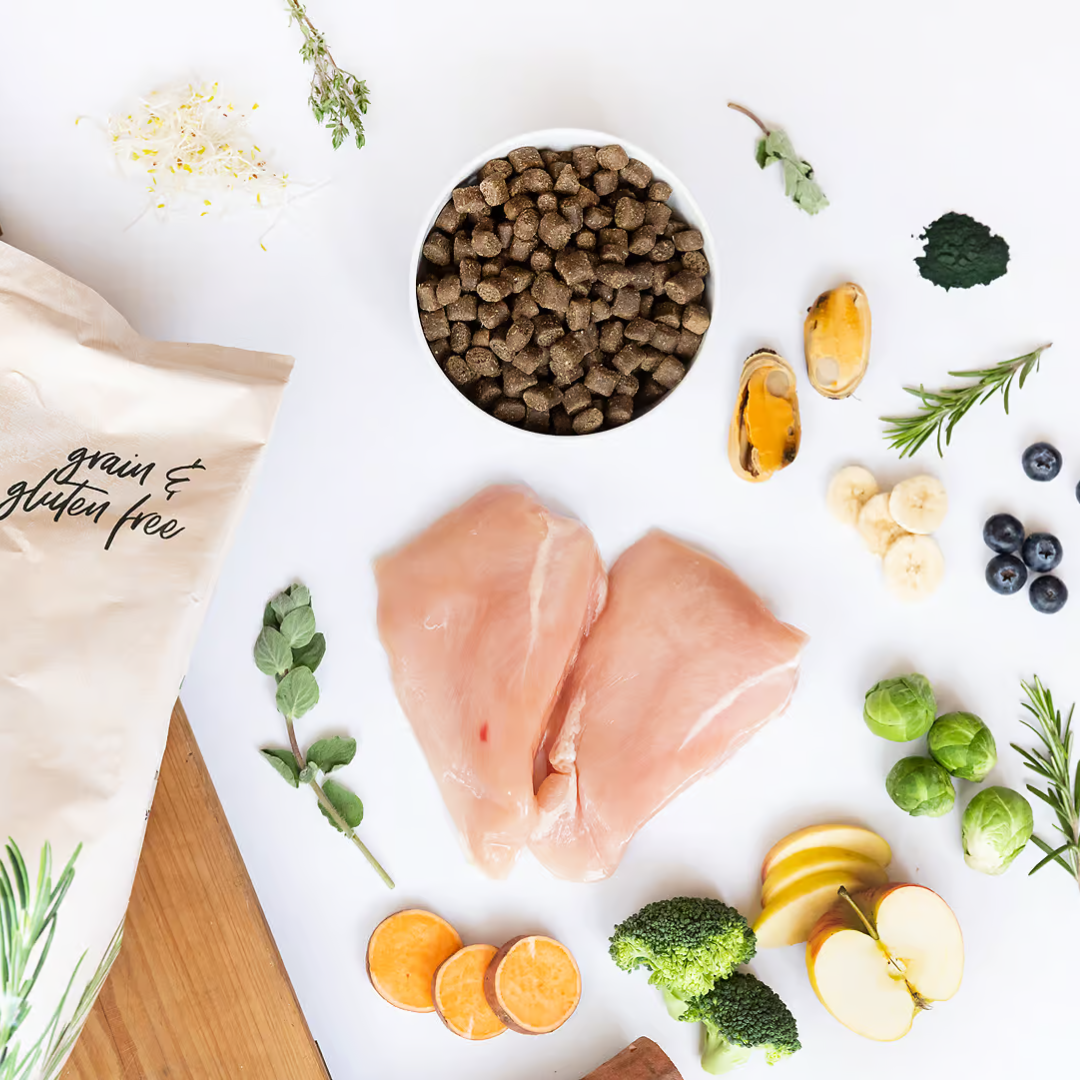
x=681 y=201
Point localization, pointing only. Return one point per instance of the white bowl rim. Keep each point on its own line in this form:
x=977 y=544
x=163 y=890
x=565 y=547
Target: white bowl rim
x=556 y=139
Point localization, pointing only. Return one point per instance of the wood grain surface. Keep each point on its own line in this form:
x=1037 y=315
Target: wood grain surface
x=199 y=990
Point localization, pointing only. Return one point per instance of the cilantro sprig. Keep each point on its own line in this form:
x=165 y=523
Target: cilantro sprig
x=290 y=649
x=799 y=183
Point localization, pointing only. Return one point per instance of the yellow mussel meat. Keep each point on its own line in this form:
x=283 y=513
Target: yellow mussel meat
x=837 y=339
x=765 y=429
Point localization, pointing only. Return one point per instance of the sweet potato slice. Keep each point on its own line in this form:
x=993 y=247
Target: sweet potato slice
x=458 y=993
x=403 y=954
x=641 y=1060
x=533 y=984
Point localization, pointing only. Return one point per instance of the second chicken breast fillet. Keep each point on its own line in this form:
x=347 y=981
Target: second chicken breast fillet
x=684 y=665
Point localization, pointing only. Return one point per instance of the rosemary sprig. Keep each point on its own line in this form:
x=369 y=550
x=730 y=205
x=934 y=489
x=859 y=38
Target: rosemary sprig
x=1062 y=794
x=337 y=96
x=942 y=410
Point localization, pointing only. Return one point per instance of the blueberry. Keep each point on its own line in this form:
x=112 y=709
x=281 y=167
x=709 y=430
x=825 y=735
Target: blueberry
x=1041 y=552
x=1048 y=594
x=1006 y=574
x=1042 y=461
x=1003 y=534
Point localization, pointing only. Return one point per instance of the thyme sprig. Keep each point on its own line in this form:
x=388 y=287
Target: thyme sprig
x=338 y=98
x=1062 y=793
x=942 y=410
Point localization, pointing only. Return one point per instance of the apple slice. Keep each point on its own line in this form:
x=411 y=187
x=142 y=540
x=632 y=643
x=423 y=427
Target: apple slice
x=792 y=914
x=850 y=837
x=877 y=958
x=816 y=861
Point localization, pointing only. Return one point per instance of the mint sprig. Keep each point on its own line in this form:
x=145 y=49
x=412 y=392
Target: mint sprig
x=290 y=649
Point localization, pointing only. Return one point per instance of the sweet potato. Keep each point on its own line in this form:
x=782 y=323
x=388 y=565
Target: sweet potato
x=458 y=992
x=403 y=954
x=533 y=984
x=641 y=1060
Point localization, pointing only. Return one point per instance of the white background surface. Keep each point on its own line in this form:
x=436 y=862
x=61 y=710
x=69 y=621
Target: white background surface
x=942 y=106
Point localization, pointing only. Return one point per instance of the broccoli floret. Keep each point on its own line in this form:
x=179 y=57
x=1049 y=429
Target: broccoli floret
x=739 y=1015
x=687 y=943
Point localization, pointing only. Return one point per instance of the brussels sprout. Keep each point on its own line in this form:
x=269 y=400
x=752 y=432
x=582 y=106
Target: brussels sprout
x=900 y=709
x=921 y=787
x=962 y=745
x=997 y=824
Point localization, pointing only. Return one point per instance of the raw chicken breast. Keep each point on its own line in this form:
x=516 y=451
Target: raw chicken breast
x=482 y=616
x=684 y=665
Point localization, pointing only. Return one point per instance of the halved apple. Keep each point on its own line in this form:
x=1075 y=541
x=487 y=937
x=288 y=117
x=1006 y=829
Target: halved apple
x=849 y=837
x=876 y=958
x=817 y=861
x=794 y=911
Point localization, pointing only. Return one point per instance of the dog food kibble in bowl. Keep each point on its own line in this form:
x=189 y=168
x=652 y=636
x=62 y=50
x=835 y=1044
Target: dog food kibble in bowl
x=560 y=292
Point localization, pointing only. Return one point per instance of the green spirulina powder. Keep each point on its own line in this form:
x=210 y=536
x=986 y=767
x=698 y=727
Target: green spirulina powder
x=961 y=252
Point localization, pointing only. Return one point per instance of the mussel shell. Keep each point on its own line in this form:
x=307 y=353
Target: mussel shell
x=836 y=337
x=741 y=454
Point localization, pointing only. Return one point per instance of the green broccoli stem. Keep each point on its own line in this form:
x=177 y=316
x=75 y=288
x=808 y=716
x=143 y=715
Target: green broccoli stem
x=676 y=1005
x=919 y=1000
x=718 y=1056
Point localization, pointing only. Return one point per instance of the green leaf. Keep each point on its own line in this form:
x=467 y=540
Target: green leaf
x=761 y=154
x=345 y=803
x=330 y=754
x=300 y=595
x=311 y=655
x=272 y=653
x=269 y=616
x=298 y=627
x=284 y=764
x=283 y=603
x=297 y=693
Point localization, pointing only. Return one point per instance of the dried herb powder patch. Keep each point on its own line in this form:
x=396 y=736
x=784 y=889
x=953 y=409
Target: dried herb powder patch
x=961 y=252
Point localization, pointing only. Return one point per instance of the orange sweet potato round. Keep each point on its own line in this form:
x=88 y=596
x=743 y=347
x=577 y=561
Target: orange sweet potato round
x=533 y=984
x=458 y=992
x=403 y=954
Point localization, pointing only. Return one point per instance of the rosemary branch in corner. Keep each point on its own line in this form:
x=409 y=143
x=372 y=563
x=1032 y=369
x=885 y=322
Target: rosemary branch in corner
x=289 y=648
x=337 y=97
x=941 y=410
x=1054 y=765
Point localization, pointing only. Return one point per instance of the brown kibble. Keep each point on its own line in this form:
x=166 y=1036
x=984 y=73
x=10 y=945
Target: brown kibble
x=651 y=393
x=611 y=336
x=689 y=240
x=525 y=157
x=561 y=423
x=521 y=250
x=576 y=398
x=515 y=207
x=525 y=307
x=492 y=315
x=529 y=359
x=460 y=373
x=574 y=267
x=463 y=309
x=652 y=360
x=647 y=302
x=440 y=349
x=566 y=377
x=519 y=335
x=665 y=338
x=494 y=289
x=695 y=262
x=555 y=230
x=689 y=344
x=543 y=398
x=565 y=177
x=542 y=259
x=547 y=329
x=668 y=313
x=613 y=253
x=460 y=338
x=469 y=200
x=491 y=268
x=696 y=319
x=598 y=217
x=535 y=420
x=661 y=273
x=550 y=157
x=518 y=277
x=448 y=289
x=636 y=173
x=642 y=275
x=627 y=385
x=487 y=392
x=657 y=214
x=670 y=372
x=516 y=382
x=579 y=314
x=437 y=248
x=574 y=215
x=463 y=248
x=588 y=421
x=640 y=330
x=449 y=219
x=659 y=191
x=602 y=381
x=547 y=202
x=425 y=296
x=509 y=411
x=481 y=338
x=434 y=324
x=629 y=213
x=483 y=361
x=526 y=223
x=585 y=161
x=619 y=409
x=628 y=359
x=497 y=168
x=627 y=303
x=612 y=157
x=536 y=180
x=663 y=252
x=643 y=240
x=602 y=291
x=485 y=242
x=684 y=287
x=605 y=182
x=601 y=311
x=551 y=293
x=494 y=191
x=614 y=275
x=505 y=232
x=469 y=273
x=566 y=353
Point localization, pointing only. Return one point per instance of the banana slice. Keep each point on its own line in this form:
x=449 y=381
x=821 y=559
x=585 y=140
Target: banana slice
x=913 y=567
x=848 y=491
x=920 y=504
x=877 y=526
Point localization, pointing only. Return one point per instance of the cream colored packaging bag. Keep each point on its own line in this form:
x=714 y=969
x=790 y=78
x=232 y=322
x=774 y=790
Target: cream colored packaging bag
x=125 y=465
